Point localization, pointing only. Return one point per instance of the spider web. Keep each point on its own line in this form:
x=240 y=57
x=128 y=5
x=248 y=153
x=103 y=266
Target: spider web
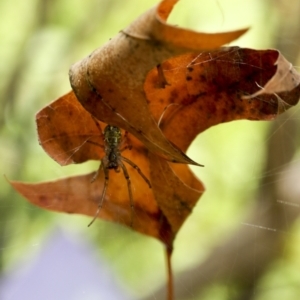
x=251 y=169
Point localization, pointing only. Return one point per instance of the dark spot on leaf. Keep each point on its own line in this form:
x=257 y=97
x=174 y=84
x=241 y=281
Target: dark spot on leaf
x=211 y=108
x=189 y=100
x=224 y=111
x=201 y=94
x=173 y=96
x=43 y=200
x=239 y=110
x=202 y=78
x=183 y=205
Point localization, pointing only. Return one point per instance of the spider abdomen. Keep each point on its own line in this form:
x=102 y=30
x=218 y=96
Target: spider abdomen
x=113 y=159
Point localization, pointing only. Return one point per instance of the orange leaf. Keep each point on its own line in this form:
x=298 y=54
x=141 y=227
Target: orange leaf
x=182 y=96
x=151 y=26
x=219 y=86
x=109 y=82
x=68 y=133
x=78 y=195
x=162 y=221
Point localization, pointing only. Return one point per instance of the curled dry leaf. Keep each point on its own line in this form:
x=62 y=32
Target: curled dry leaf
x=69 y=134
x=184 y=96
x=109 y=82
x=219 y=86
x=187 y=94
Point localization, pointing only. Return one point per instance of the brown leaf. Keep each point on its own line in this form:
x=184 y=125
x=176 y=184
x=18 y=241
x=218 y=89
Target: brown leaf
x=109 y=82
x=185 y=95
x=68 y=133
x=219 y=86
x=152 y=26
x=78 y=195
x=175 y=198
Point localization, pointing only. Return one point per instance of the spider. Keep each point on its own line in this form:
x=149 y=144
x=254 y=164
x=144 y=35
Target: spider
x=113 y=146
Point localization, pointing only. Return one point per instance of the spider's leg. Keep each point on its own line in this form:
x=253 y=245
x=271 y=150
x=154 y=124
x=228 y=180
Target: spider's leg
x=106 y=179
x=125 y=143
x=100 y=131
x=138 y=169
x=96 y=144
x=127 y=177
x=98 y=172
x=98 y=125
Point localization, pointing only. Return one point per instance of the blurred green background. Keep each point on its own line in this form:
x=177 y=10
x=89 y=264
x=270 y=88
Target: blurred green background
x=40 y=39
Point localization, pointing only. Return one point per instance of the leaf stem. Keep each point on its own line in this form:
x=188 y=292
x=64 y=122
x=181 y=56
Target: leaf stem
x=170 y=287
